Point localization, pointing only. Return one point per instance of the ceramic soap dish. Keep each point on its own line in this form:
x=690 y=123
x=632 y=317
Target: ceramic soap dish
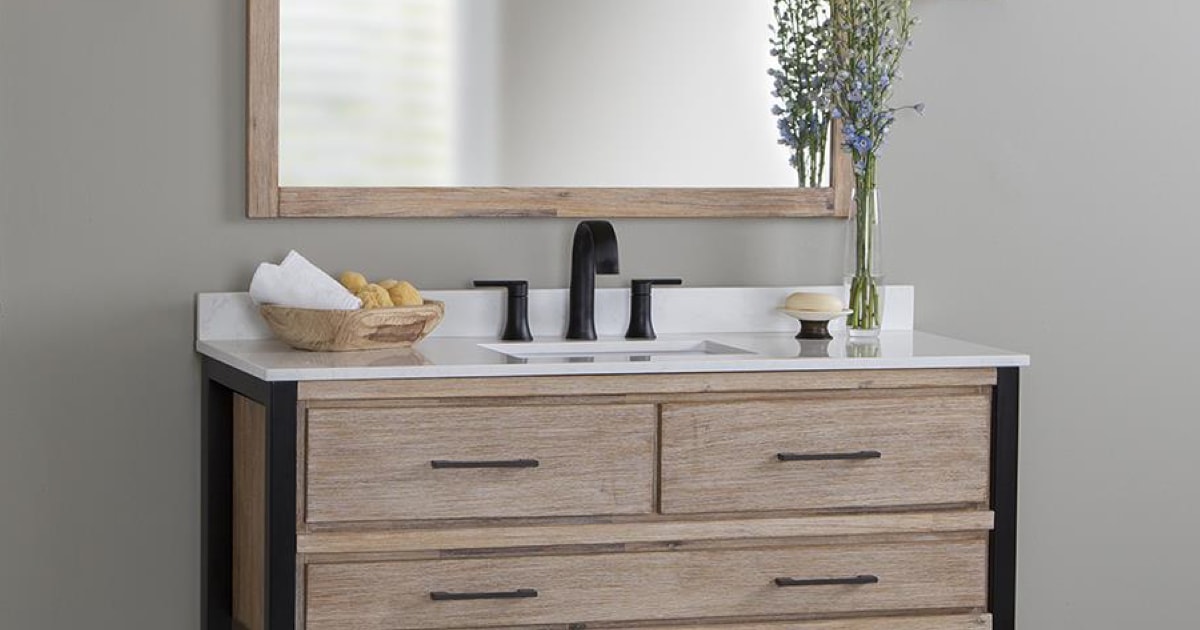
x=814 y=324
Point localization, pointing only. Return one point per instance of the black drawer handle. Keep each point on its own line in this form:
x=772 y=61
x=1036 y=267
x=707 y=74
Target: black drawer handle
x=504 y=463
x=852 y=581
x=521 y=593
x=828 y=457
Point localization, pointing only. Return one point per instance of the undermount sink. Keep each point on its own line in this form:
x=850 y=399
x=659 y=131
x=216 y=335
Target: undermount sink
x=615 y=350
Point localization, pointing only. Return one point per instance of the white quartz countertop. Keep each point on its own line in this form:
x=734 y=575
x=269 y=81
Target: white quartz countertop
x=455 y=357
x=230 y=330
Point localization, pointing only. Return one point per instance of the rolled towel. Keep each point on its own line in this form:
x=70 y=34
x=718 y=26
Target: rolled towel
x=297 y=283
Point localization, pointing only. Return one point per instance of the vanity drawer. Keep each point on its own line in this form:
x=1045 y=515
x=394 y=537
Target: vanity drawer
x=646 y=586
x=834 y=453
x=479 y=462
x=972 y=621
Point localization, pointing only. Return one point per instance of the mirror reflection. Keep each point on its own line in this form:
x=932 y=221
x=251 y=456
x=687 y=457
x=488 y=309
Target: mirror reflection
x=623 y=93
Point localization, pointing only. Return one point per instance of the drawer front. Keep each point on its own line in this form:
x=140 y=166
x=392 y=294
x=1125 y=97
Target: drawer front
x=479 y=462
x=646 y=586
x=825 y=454
x=921 y=622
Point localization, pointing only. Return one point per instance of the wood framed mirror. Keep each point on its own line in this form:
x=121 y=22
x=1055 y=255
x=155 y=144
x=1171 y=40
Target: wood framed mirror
x=552 y=108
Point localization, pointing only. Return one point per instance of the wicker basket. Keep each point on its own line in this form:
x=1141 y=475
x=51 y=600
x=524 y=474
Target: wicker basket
x=367 y=329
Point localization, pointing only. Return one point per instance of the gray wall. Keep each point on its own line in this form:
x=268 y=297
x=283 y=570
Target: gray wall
x=1044 y=203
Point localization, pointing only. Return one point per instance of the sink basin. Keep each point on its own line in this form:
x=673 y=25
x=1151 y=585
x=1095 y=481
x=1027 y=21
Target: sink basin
x=615 y=350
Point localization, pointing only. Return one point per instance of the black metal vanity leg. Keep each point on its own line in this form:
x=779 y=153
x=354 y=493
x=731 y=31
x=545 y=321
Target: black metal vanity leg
x=281 y=506
x=1002 y=578
x=216 y=503
x=219 y=383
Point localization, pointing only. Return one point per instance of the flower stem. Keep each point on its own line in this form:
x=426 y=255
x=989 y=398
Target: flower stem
x=864 y=285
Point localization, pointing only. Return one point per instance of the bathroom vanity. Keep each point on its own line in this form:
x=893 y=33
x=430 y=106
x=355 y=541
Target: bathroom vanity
x=735 y=479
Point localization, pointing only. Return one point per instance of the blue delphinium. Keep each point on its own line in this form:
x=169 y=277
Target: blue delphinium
x=800 y=44
x=868 y=38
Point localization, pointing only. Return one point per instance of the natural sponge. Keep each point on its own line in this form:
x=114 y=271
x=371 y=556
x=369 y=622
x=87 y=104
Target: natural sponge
x=388 y=284
x=375 y=296
x=405 y=294
x=353 y=281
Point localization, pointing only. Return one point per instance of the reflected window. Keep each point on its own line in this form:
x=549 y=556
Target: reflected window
x=368 y=92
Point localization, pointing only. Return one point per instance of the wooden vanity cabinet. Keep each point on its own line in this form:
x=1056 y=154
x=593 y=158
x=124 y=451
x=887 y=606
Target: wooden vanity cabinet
x=850 y=500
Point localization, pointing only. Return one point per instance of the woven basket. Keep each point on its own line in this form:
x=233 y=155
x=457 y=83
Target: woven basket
x=367 y=329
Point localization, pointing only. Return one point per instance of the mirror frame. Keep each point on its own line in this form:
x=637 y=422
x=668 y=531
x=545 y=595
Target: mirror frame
x=266 y=199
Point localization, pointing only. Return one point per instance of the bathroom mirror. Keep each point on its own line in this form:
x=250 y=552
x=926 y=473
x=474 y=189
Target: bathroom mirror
x=548 y=108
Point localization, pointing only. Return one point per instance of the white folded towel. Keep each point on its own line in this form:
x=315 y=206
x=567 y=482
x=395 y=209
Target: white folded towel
x=297 y=283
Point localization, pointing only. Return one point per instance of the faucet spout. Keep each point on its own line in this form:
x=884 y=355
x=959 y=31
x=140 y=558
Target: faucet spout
x=594 y=251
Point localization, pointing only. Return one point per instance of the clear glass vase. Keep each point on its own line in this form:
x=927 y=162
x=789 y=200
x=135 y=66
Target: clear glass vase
x=863 y=268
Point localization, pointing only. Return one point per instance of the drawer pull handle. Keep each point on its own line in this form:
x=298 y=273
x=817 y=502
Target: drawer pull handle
x=828 y=457
x=521 y=593
x=852 y=581
x=506 y=463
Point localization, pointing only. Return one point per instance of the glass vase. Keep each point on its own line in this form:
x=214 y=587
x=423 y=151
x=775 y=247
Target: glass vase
x=863 y=268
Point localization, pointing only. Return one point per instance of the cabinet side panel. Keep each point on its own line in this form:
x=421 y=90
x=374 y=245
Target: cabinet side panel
x=249 y=515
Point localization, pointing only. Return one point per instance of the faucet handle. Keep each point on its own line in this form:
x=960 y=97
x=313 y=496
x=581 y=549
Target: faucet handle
x=516 y=288
x=641 y=325
x=516 y=324
x=643 y=286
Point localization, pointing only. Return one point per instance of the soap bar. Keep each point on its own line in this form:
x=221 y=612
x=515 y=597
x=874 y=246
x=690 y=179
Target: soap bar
x=815 y=302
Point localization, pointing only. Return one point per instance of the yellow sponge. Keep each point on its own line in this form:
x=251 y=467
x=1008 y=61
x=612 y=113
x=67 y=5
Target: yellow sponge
x=405 y=294
x=353 y=281
x=375 y=296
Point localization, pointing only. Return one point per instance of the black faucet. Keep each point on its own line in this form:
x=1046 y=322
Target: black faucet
x=594 y=252
x=641 y=323
x=516 y=324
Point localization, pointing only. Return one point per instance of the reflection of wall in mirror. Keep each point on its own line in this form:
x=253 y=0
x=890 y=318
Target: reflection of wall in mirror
x=528 y=93
x=645 y=93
